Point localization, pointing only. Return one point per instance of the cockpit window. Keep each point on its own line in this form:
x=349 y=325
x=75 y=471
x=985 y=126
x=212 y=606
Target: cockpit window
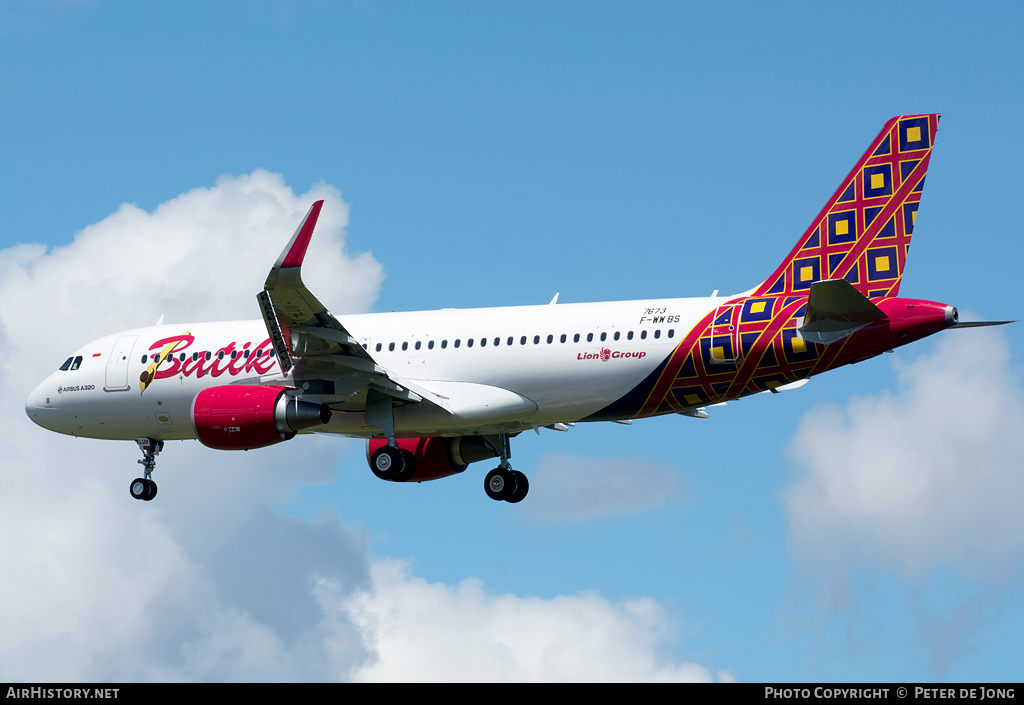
x=66 y=365
x=77 y=363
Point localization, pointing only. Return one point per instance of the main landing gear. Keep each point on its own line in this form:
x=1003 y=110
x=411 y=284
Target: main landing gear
x=504 y=483
x=389 y=462
x=144 y=487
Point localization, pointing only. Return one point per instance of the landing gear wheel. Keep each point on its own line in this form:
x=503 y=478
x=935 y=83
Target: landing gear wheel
x=139 y=488
x=499 y=484
x=387 y=463
x=522 y=487
x=410 y=467
x=143 y=487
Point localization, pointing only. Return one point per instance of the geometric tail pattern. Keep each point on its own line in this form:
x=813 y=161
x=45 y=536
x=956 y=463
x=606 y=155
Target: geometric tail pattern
x=863 y=232
x=750 y=344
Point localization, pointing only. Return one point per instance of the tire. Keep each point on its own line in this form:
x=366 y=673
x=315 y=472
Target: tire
x=522 y=487
x=410 y=467
x=499 y=484
x=139 y=488
x=152 y=491
x=387 y=463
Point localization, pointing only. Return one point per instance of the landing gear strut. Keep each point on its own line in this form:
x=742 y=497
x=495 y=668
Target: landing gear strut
x=144 y=487
x=504 y=483
x=389 y=462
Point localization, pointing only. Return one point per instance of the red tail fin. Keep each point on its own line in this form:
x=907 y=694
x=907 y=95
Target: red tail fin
x=863 y=232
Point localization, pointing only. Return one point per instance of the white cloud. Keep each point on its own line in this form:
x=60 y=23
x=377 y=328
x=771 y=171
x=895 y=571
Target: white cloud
x=927 y=476
x=567 y=488
x=202 y=256
x=432 y=632
x=924 y=483
x=207 y=582
x=97 y=586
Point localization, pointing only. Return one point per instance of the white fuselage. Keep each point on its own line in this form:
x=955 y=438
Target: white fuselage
x=511 y=367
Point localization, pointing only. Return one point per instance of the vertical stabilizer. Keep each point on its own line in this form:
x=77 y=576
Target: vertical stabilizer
x=863 y=233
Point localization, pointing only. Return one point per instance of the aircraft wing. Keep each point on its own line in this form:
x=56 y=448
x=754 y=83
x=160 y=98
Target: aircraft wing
x=835 y=309
x=308 y=338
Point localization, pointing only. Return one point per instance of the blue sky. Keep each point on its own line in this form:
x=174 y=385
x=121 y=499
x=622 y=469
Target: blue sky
x=494 y=154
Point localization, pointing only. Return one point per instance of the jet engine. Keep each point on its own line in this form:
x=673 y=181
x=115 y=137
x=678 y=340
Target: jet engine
x=245 y=416
x=434 y=458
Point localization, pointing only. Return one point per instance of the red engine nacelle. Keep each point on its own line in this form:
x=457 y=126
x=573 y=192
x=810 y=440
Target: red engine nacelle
x=245 y=416
x=434 y=458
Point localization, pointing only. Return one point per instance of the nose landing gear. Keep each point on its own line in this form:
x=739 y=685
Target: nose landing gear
x=143 y=487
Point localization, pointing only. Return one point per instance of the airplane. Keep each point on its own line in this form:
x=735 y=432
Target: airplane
x=435 y=391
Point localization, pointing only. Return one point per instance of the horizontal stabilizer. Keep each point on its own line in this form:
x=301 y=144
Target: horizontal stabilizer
x=835 y=309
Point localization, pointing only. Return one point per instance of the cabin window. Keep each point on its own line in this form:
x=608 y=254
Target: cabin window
x=604 y=337
x=671 y=332
x=379 y=346
x=497 y=342
x=576 y=338
x=469 y=343
x=365 y=346
x=405 y=345
x=617 y=334
x=483 y=342
x=509 y=341
x=457 y=341
x=430 y=345
x=629 y=335
x=444 y=344
x=234 y=355
x=391 y=347
x=77 y=363
x=657 y=333
x=562 y=339
x=418 y=344
x=643 y=335
x=522 y=341
x=536 y=340
x=209 y=355
x=67 y=363
x=590 y=337
x=195 y=355
x=550 y=338
x=246 y=354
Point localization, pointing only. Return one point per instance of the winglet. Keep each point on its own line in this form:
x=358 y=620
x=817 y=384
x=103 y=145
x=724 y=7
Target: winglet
x=295 y=251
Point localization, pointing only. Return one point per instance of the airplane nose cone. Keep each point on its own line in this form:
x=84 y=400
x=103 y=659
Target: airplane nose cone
x=38 y=402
